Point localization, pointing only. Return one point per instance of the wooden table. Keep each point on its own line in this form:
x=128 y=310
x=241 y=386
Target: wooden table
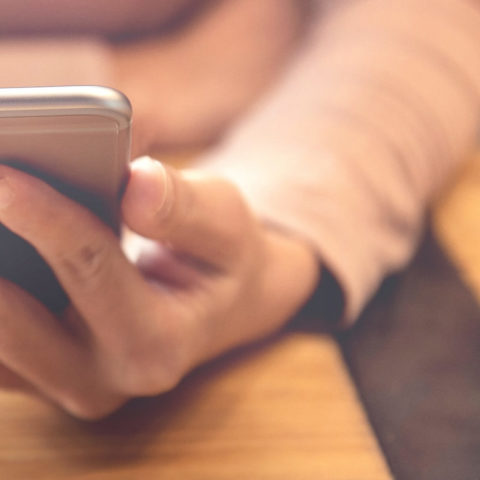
x=284 y=409
x=281 y=410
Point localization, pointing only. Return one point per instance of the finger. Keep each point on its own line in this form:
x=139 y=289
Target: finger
x=35 y=346
x=205 y=218
x=9 y=380
x=84 y=253
x=160 y=263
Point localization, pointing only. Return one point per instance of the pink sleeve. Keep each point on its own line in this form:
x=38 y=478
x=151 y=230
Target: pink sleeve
x=380 y=106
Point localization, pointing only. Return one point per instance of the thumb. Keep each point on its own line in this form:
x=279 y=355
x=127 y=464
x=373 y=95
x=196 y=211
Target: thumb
x=201 y=216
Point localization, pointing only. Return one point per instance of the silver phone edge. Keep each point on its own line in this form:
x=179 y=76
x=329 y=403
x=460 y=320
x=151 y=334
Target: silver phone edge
x=66 y=100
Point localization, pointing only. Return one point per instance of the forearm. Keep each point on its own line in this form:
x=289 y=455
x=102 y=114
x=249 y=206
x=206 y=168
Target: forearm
x=379 y=108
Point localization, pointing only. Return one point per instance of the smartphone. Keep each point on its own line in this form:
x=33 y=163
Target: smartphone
x=77 y=139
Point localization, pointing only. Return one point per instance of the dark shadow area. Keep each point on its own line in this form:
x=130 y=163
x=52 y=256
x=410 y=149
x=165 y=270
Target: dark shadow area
x=415 y=358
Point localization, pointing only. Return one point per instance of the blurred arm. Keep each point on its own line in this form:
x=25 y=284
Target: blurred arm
x=379 y=108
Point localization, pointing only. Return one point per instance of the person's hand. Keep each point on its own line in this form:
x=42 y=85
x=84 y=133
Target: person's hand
x=214 y=278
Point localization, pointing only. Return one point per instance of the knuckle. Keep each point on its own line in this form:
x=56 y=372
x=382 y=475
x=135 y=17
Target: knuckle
x=87 y=262
x=88 y=406
x=149 y=367
x=144 y=379
x=151 y=382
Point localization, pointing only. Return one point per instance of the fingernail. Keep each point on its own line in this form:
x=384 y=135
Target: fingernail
x=155 y=187
x=164 y=199
x=6 y=194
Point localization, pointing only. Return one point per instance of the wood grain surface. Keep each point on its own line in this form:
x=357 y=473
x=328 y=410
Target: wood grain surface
x=285 y=409
x=457 y=223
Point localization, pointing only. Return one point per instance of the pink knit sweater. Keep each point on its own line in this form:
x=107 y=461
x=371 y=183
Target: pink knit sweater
x=380 y=104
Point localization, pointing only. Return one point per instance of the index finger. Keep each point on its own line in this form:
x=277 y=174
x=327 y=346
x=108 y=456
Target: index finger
x=84 y=253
